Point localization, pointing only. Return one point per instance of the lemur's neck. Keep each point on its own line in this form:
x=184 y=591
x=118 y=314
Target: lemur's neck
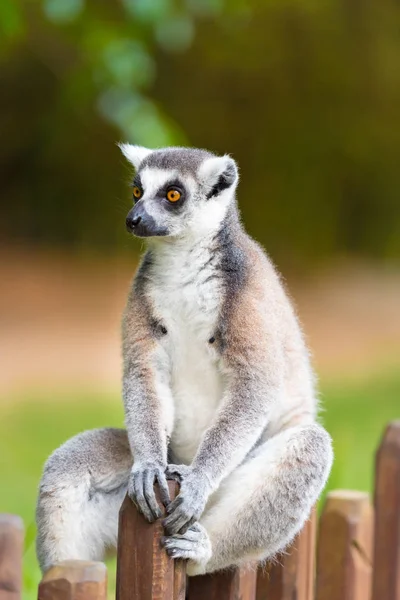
x=218 y=254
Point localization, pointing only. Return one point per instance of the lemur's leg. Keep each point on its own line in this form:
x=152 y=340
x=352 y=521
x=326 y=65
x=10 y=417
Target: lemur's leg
x=260 y=507
x=82 y=488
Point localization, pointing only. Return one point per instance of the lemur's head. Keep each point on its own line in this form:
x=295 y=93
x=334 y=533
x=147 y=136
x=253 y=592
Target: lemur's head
x=179 y=191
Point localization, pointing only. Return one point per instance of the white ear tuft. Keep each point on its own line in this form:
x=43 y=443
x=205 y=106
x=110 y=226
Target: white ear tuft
x=135 y=154
x=218 y=173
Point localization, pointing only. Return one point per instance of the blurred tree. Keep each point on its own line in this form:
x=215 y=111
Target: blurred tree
x=73 y=77
x=304 y=94
x=306 y=97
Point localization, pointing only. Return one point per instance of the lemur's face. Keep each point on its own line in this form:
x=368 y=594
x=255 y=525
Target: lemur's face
x=177 y=191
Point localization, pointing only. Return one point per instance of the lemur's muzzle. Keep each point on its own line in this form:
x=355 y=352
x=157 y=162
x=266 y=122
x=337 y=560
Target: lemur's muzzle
x=140 y=223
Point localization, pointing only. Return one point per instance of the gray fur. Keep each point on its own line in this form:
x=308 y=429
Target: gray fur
x=82 y=488
x=184 y=160
x=217 y=379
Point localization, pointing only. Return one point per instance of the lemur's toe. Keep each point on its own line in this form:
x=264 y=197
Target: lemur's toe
x=194 y=544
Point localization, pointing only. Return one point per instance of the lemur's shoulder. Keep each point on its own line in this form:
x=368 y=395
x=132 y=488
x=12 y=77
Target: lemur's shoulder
x=260 y=312
x=139 y=323
x=262 y=279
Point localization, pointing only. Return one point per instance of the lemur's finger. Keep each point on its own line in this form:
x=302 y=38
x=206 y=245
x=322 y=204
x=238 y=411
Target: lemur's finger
x=164 y=490
x=178 y=525
x=170 y=521
x=174 y=504
x=187 y=526
x=173 y=471
x=140 y=499
x=149 y=494
x=173 y=476
x=175 y=521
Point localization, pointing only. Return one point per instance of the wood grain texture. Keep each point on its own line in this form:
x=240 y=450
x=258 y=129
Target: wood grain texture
x=74 y=580
x=235 y=584
x=386 y=579
x=344 y=558
x=180 y=580
x=11 y=549
x=291 y=575
x=144 y=570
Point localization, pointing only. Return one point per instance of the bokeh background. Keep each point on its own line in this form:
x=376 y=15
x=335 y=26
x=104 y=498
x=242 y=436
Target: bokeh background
x=304 y=94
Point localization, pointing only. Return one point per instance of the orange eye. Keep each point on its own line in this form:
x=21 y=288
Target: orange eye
x=173 y=195
x=137 y=192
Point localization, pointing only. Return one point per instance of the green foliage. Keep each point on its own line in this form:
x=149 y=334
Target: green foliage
x=61 y=12
x=111 y=46
x=304 y=94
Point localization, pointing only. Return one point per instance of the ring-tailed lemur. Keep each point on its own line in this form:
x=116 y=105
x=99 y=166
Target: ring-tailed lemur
x=217 y=386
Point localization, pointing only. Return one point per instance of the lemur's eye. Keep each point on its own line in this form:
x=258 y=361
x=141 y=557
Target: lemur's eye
x=173 y=195
x=137 y=192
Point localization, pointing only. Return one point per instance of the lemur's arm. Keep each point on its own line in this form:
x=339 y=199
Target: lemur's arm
x=252 y=353
x=148 y=406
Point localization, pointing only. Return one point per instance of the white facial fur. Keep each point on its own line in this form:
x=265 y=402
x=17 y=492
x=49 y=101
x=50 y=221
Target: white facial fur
x=206 y=200
x=152 y=180
x=200 y=215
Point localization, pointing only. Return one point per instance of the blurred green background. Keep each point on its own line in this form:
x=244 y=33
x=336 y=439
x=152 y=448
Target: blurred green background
x=304 y=94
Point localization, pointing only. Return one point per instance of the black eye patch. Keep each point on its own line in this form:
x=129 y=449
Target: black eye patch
x=137 y=182
x=161 y=195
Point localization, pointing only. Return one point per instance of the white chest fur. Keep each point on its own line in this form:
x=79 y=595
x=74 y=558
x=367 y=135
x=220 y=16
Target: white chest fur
x=186 y=295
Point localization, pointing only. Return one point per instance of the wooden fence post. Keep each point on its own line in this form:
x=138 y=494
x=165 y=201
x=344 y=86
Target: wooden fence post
x=344 y=551
x=386 y=580
x=74 y=580
x=292 y=574
x=11 y=548
x=144 y=570
x=234 y=584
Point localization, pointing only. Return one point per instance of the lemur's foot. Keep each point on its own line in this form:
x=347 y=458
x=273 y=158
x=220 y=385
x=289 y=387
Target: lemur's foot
x=194 y=544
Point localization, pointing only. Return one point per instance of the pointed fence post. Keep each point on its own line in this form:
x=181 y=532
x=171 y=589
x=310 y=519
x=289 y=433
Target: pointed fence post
x=144 y=570
x=11 y=549
x=291 y=575
x=74 y=580
x=233 y=584
x=386 y=584
x=344 y=555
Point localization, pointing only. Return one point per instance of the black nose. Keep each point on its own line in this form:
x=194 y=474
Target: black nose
x=136 y=221
x=132 y=222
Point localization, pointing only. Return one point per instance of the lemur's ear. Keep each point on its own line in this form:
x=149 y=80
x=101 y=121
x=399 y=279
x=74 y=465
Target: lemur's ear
x=218 y=174
x=135 y=154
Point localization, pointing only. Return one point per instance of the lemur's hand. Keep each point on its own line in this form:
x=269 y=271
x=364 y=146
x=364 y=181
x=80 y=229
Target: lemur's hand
x=141 y=489
x=188 y=506
x=177 y=472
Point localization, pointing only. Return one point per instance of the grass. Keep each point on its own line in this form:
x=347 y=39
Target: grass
x=29 y=431
x=355 y=415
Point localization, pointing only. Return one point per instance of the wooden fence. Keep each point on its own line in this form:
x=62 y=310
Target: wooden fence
x=354 y=555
